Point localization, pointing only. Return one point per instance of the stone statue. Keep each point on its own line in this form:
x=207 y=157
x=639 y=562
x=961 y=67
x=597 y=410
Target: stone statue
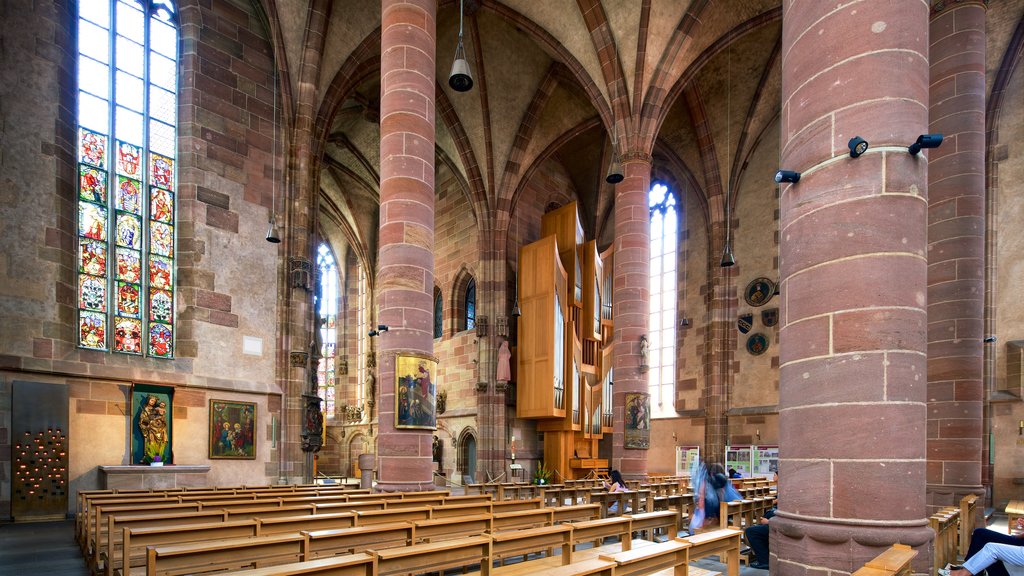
x=504 y=357
x=644 y=352
x=436 y=449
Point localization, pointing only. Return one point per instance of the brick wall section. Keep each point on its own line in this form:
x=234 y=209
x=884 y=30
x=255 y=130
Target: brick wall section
x=852 y=402
x=405 y=274
x=630 y=301
x=956 y=254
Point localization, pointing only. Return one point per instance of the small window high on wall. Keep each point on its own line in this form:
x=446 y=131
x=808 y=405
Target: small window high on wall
x=127 y=174
x=327 y=308
x=470 y=304
x=662 y=322
x=438 y=313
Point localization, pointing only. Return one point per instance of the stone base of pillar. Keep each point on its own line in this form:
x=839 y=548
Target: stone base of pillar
x=806 y=548
x=404 y=486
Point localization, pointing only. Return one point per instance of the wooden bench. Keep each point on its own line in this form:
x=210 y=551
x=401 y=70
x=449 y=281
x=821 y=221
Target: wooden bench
x=946 y=524
x=673 y=554
x=450 y=510
x=597 y=530
x=367 y=517
x=448 y=528
x=591 y=567
x=523 y=542
x=516 y=505
x=1014 y=511
x=110 y=556
x=894 y=561
x=576 y=513
x=968 y=520
x=321 y=543
x=724 y=543
x=347 y=565
x=308 y=523
x=267 y=511
x=350 y=506
x=435 y=557
x=523 y=519
x=223 y=554
x=96 y=536
x=136 y=541
x=412 y=503
x=665 y=520
x=468 y=499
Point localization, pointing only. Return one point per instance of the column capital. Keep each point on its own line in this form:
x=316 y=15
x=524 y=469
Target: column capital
x=635 y=156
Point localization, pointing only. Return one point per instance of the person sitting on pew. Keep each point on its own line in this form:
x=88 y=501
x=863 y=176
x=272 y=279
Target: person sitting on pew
x=617 y=484
x=982 y=536
x=991 y=555
x=757 y=538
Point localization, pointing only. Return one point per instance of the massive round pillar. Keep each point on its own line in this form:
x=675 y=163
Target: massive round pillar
x=630 y=301
x=853 y=342
x=405 y=262
x=956 y=253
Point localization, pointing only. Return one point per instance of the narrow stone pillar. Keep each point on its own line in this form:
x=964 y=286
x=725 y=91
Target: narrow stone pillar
x=630 y=300
x=852 y=403
x=956 y=254
x=405 y=262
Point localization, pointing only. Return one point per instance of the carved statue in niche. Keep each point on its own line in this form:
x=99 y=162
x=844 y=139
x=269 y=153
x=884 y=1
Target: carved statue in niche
x=442 y=402
x=153 y=425
x=437 y=449
x=313 y=429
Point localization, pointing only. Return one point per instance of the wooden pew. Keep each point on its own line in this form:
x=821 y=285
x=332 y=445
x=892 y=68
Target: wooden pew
x=968 y=520
x=523 y=519
x=436 y=556
x=347 y=565
x=223 y=554
x=322 y=543
x=468 y=499
x=96 y=536
x=448 y=528
x=577 y=513
x=350 y=506
x=412 y=503
x=724 y=543
x=110 y=556
x=654 y=521
x=516 y=505
x=136 y=541
x=946 y=524
x=1014 y=510
x=309 y=522
x=673 y=554
x=267 y=511
x=592 y=567
x=894 y=561
x=367 y=517
x=597 y=530
x=522 y=542
x=450 y=510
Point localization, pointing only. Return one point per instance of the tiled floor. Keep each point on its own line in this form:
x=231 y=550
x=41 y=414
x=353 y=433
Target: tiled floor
x=40 y=549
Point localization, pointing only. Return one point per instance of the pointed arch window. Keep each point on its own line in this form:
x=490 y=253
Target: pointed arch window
x=127 y=173
x=438 y=313
x=662 y=322
x=470 y=304
x=327 y=310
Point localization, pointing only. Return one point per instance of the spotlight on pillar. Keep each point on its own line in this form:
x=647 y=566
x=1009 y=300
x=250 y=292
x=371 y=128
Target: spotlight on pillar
x=925 y=141
x=728 y=258
x=787 y=176
x=272 y=235
x=614 y=175
x=857 y=146
x=989 y=339
x=381 y=328
x=460 y=79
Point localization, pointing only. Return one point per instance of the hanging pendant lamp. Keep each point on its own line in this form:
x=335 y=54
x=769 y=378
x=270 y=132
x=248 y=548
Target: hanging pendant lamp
x=460 y=79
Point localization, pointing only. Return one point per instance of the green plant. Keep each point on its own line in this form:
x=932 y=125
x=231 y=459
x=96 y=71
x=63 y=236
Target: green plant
x=542 y=475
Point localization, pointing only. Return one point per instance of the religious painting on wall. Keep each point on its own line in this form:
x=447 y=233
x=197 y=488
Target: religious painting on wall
x=151 y=425
x=415 y=392
x=638 y=420
x=232 y=430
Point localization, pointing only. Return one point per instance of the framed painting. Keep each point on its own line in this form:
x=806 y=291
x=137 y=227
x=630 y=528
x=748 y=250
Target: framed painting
x=638 y=421
x=151 y=424
x=415 y=391
x=232 y=430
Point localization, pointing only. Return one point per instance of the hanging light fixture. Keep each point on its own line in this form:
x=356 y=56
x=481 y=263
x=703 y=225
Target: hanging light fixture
x=614 y=175
x=273 y=236
x=460 y=79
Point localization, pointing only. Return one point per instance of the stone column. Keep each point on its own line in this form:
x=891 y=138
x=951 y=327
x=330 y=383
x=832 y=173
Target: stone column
x=956 y=254
x=630 y=300
x=852 y=403
x=405 y=273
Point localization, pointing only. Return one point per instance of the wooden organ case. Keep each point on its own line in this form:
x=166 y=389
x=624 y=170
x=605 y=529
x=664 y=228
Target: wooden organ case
x=564 y=360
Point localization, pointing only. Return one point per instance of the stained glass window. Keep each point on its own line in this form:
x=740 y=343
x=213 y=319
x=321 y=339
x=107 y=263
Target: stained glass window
x=127 y=106
x=438 y=313
x=662 y=324
x=327 y=269
x=471 y=304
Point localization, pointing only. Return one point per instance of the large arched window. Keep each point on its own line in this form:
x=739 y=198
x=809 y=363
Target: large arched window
x=662 y=323
x=127 y=171
x=327 y=308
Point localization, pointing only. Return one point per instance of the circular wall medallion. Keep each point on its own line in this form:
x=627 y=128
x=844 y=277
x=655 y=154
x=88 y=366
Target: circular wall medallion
x=757 y=344
x=759 y=291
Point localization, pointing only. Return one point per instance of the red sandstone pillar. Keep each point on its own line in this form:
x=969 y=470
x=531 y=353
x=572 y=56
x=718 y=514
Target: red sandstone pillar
x=630 y=300
x=405 y=262
x=956 y=254
x=852 y=403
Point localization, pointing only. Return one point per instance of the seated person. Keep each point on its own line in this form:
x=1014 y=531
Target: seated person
x=991 y=554
x=757 y=538
x=617 y=484
x=982 y=536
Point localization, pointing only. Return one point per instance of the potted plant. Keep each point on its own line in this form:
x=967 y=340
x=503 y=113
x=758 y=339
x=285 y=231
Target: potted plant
x=542 y=476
